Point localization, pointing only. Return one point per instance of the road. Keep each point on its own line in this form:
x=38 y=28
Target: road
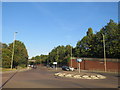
x=44 y=78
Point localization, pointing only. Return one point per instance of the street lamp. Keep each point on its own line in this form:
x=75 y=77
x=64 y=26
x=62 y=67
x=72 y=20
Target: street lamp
x=13 y=50
x=57 y=58
x=104 y=52
x=71 y=56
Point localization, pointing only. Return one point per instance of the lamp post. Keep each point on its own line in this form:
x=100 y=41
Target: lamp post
x=13 y=50
x=71 y=56
x=57 y=58
x=105 y=64
x=40 y=60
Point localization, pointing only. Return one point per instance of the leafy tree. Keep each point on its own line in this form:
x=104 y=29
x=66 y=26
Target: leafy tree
x=40 y=59
x=84 y=46
x=6 y=57
x=20 y=54
x=90 y=32
x=91 y=45
x=4 y=45
x=61 y=54
x=112 y=38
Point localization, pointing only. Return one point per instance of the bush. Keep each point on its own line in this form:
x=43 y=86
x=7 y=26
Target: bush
x=22 y=65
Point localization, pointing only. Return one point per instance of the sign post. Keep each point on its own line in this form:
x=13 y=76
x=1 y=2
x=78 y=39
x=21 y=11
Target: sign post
x=79 y=60
x=55 y=63
x=79 y=67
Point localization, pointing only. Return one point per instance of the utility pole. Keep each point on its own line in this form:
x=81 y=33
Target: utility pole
x=13 y=50
x=105 y=63
x=57 y=58
x=71 y=56
x=40 y=60
x=47 y=62
x=79 y=67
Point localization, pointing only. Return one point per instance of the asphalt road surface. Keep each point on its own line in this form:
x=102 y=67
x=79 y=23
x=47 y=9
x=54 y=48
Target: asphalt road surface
x=44 y=78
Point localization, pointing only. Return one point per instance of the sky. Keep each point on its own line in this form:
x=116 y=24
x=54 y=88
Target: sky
x=60 y=0
x=41 y=26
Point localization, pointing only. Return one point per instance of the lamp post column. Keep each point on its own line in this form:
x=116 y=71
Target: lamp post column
x=13 y=50
x=105 y=63
x=71 y=56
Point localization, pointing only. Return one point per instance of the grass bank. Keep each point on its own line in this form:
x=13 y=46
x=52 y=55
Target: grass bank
x=14 y=69
x=8 y=69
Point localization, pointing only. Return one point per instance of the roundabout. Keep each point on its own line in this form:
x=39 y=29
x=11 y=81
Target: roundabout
x=80 y=75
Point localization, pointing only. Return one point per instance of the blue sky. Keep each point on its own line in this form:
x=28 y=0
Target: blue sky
x=45 y=25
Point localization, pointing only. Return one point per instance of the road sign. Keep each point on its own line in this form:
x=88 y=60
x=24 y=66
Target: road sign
x=54 y=62
x=79 y=60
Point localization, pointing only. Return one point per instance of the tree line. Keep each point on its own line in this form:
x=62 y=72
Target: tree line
x=20 y=54
x=90 y=45
x=59 y=54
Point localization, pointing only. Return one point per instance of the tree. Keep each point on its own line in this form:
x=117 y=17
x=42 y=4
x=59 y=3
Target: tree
x=6 y=56
x=20 y=54
x=60 y=54
x=84 y=46
x=91 y=45
x=4 y=45
x=40 y=59
x=89 y=32
x=112 y=38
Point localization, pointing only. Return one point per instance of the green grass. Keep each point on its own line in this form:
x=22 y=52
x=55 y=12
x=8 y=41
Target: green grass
x=7 y=69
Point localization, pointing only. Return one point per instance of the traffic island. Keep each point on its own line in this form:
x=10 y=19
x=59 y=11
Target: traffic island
x=80 y=75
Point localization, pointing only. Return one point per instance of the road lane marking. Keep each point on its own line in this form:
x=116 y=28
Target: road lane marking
x=8 y=80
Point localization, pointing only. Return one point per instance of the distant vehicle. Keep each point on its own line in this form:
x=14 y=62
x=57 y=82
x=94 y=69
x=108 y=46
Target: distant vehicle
x=29 y=65
x=66 y=68
x=71 y=68
x=52 y=66
x=34 y=66
x=48 y=66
